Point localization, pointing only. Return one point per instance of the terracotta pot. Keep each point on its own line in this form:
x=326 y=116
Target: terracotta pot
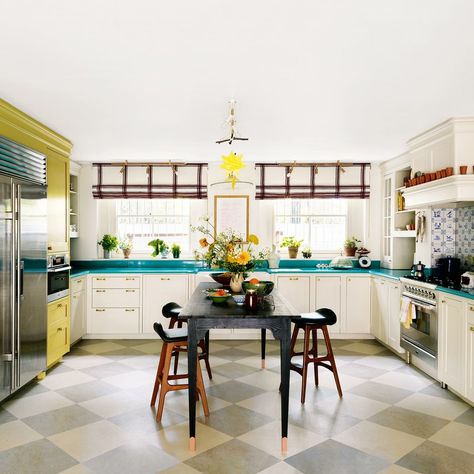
x=443 y=173
x=126 y=252
x=427 y=177
x=293 y=252
x=449 y=171
x=463 y=169
x=438 y=174
x=417 y=180
x=422 y=179
x=350 y=251
x=433 y=176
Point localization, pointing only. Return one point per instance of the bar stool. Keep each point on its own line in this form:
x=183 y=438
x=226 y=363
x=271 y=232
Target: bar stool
x=173 y=339
x=310 y=324
x=171 y=311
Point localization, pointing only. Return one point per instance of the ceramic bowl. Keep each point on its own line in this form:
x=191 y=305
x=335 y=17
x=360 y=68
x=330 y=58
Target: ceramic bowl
x=262 y=287
x=222 y=278
x=239 y=299
x=219 y=299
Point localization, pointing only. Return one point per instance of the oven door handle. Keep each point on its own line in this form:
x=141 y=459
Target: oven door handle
x=418 y=303
x=60 y=269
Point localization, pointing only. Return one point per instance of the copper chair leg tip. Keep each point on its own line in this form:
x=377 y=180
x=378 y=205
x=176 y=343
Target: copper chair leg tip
x=263 y=363
x=284 y=445
x=192 y=444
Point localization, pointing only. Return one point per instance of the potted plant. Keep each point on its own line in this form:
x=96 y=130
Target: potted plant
x=292 y=244
x=307 y=252
x=126 y=247
x=159 y=247
x=176 y=250
x=350 y=246
x=109 y=243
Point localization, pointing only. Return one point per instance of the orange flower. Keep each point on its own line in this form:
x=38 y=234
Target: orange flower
x=243 y=258
x=203 y=242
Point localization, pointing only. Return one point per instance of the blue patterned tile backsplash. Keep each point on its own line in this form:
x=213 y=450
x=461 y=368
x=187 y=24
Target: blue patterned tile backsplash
x=452 y=235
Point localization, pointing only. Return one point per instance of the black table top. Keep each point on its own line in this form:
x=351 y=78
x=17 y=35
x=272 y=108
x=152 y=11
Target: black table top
x=199 y=306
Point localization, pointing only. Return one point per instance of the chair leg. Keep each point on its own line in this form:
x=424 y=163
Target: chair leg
x=294 y=337
x=159 y=374
x=315 y=355
x=307 y=333
x=176 y=361
x=201 y=390
x=164 y=381
x=263 y=342
x=330 y=356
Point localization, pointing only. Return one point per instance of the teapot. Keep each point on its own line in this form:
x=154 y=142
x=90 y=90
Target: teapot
x=418 y=270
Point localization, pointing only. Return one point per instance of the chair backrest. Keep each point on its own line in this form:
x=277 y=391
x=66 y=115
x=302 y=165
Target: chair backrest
x=159 y=330
x=167 y=310
x=329 y=314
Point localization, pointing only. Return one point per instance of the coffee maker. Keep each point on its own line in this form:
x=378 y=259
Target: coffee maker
x=448 y=271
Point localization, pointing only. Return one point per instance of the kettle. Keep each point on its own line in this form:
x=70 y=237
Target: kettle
x=418 y=270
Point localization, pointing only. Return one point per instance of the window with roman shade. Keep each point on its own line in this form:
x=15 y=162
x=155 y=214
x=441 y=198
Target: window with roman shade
x=312 y=180
x=150 y=180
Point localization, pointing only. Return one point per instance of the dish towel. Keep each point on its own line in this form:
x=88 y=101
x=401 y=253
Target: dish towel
x=407 y=312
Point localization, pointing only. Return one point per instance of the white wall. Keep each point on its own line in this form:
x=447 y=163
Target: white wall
x=97 y=217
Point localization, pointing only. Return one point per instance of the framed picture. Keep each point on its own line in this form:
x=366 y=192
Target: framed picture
x=232 y=212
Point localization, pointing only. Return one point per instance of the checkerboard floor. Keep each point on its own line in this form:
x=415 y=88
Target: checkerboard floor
x=91 y=414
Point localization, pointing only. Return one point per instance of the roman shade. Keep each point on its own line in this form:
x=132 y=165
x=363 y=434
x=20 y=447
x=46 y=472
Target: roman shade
x=150 y=180
x=312 y=180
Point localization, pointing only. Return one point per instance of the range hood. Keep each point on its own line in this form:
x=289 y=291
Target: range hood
x=454 y=191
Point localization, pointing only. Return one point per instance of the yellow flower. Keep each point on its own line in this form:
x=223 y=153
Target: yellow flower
x=243 y=258
x=203 y=242
x=253 y=239
x=231 y=258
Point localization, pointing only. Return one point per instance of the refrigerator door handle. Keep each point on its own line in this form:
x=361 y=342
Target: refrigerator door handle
x=19 y=285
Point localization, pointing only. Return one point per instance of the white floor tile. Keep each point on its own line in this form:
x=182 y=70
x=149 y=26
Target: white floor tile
x=457 y=436
x=401 y=380
x=435 y=406
x=66 y=379
x=15 y=434
x=84 y=362
x=36 y=404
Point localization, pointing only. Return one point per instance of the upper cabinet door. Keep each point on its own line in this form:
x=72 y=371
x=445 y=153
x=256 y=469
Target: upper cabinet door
x=58 y=202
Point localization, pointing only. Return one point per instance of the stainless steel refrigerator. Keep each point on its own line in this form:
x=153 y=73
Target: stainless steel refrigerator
x=23 y=268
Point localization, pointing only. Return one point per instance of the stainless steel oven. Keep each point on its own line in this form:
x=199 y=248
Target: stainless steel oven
x=421 y=337
x=58 y=277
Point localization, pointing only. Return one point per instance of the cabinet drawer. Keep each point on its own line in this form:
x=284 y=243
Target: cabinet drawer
x=58 y=340
x=115 y=298
x=470 y=313
x=58 y=311
x=115 y=321
x=78 y=284
x=116 y=282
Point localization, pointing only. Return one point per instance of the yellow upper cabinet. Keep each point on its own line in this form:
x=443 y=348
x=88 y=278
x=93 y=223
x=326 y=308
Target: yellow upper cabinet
x=17 y=126
x=58 y=201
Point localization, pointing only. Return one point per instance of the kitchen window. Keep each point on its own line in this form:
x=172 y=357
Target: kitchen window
x=143 y=220
x=320 y=223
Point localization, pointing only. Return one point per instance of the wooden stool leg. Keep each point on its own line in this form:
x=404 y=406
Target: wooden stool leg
x=176 y=360
x=330 y=355
x=159 y=374
x=315 y=355
x=201 y=390
x=164 y=381
x=206 y=359
x=307 y=332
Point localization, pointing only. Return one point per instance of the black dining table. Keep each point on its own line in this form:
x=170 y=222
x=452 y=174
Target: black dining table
x=201 y=315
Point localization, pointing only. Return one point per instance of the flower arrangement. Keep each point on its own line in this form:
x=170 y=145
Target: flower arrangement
x=159 y=247
x=227 y=250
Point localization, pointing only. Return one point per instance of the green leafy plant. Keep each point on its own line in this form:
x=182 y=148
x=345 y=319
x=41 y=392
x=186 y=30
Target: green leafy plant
x=109 y=242
x=158 y=246
x=351 y=242
x=176 y=250
x=290 y=242
x=307 y=252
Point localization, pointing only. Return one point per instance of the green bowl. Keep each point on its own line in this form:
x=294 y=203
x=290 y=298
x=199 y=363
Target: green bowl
x=263 y=287
x=219 y=299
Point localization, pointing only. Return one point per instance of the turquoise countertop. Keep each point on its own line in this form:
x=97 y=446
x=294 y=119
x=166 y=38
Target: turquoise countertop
x=85 y=267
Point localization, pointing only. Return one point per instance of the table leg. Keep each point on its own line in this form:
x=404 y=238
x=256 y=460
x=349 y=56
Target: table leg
x=192 y=368
x=285 y=381
x=263 y=340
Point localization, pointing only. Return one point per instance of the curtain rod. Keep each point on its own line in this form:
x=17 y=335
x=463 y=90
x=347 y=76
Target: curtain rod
x=158 y=164
x=295 y=164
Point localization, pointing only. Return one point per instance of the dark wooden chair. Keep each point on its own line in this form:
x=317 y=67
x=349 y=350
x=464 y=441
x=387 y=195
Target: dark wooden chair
x=173 y=339
x=171 y=311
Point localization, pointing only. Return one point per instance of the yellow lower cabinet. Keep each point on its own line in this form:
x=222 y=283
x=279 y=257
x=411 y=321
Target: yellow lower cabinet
x=58 y=330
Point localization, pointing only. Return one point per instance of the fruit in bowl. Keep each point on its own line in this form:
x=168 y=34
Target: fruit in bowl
x=219 y=296
x=261 y=286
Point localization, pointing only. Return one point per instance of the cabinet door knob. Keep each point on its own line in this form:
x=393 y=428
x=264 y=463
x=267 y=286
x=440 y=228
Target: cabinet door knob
x=165 y=278
x=99 y=278
x=443 y=301
x=130 y=278
x=348 y=279
x=49 y=247
x=100 y=291
x=60 y=305
x=130 y=310
x=79 y=281
x=60 y=329
x=130 y=291
x=471 y=308
x=294 y=278
x=100 y=310
x=471 y=328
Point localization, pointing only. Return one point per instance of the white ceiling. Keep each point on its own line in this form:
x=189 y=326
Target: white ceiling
x=313 y=79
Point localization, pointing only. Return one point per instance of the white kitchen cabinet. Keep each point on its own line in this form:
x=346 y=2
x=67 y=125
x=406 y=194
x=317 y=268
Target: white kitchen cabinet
x=78 y=308
x=297 y=290
x=469 y=335
x=159 y=290
x=452 y=343
x=394 y=316
x=328 y=295
x=379 y=317
x=114 y=305
x=356 y=318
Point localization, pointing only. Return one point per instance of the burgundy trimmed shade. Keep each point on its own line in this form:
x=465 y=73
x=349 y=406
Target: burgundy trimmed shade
x=150 y=181
x=328 y=181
